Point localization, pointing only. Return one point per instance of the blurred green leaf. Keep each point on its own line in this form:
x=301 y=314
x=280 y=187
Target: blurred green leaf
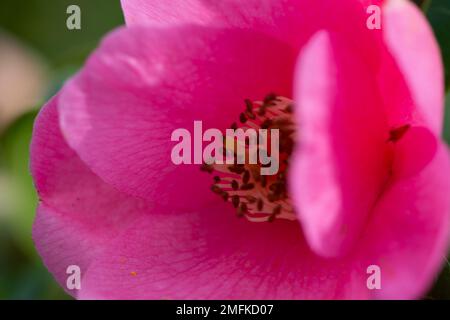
x=23 y=276
x=438 y=13
x=447 y=118
x=14 y=153
x=441 y=289
x=42 y=24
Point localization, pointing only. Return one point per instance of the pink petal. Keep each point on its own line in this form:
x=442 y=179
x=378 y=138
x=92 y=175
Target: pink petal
x=410 y=40
x=214 y=255
x=341 y=162
x=123 y=252
x=408 y=236
x=78 y=214
x=416 y=149
x=143 y=83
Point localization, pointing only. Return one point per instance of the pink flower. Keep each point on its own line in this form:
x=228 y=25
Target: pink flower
x=369 y=178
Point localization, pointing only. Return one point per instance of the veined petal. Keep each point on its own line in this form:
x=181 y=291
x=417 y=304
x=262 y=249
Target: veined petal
x=213 y=255
x=143 y=83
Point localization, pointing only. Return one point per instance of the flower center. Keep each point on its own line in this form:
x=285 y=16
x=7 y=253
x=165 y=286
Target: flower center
x=256 y=196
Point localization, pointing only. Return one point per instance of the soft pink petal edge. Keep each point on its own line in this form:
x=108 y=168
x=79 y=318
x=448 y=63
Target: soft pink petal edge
x=412 y=44
x=408 y=233
x=340 y=162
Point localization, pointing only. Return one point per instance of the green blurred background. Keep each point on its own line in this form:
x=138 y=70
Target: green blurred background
x=37 y=54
